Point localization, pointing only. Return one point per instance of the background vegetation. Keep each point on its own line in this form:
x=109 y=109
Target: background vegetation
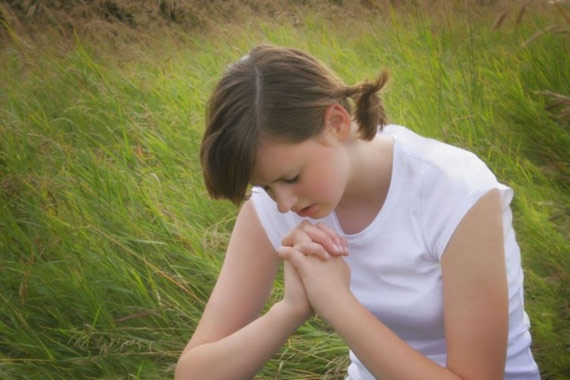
x=109 y=245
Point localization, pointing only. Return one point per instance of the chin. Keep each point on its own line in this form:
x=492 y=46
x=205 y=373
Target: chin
x=321 y=213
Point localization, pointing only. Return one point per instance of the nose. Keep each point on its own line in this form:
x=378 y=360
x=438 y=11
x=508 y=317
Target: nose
x=285 y=199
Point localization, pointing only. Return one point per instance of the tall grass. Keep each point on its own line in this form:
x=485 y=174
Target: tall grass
x=109 y=244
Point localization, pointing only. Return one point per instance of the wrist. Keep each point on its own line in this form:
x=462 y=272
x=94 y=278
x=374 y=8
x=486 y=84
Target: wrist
x=290 y=315
x=328 y=307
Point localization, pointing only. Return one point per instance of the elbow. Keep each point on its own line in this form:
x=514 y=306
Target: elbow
x=180 y=369
x=478 y=375
x=184 y=367
x=193 y=364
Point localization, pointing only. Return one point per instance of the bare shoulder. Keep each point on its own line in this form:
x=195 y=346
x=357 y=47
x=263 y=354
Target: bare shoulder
x=475 y=292
x=244 y=283
x=484 y=219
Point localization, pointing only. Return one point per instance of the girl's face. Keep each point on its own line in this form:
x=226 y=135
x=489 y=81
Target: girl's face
x=308 y=178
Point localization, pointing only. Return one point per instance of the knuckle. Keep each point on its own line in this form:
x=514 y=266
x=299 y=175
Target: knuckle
x=324 y=227
x=287 y=238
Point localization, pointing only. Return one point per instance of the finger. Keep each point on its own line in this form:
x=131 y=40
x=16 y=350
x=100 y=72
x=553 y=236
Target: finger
x=345 y=246
x=311 y=248
x=293 y=256
x=324 y=238
x=291 y=274
x=338 y=240
x=333 y=244
x=295 y=236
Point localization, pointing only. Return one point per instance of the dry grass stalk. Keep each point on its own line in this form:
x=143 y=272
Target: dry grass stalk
x=520 y=15
x=561 y=10
x=558 y=105
x=140 y=314
x=500 y=19
x=551 y=28
x=562 y=31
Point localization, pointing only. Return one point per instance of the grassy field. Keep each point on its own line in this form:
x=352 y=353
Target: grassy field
x=109 y=245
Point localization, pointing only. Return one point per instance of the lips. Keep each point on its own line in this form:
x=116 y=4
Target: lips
x=308 y=211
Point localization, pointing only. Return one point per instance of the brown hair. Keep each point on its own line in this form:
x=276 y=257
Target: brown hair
x=280 y=93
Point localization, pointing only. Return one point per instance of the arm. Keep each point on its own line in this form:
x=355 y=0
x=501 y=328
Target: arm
x=231 y=340
x=475 y=295
x=475 y=305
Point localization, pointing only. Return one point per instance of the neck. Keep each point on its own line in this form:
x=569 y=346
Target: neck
x=371 y=171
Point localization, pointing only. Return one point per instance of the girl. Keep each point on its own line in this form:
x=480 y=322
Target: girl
x=403 y=244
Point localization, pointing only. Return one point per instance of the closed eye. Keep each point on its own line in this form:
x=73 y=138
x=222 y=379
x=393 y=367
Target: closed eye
x=292 y=180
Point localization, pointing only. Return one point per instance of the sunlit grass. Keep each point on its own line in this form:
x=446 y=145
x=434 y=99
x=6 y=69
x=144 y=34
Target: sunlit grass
x=109 y=244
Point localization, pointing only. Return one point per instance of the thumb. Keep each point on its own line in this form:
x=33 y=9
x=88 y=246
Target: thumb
x=293 y=256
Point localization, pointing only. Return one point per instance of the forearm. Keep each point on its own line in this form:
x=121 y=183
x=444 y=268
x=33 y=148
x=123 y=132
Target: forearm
x=383 y=353
x=242 y=354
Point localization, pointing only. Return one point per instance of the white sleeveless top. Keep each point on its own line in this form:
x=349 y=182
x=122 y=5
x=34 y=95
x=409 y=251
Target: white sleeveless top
x=395 y=261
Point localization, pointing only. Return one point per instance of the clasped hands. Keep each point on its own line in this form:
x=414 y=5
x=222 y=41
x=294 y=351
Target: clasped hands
x=316 y=276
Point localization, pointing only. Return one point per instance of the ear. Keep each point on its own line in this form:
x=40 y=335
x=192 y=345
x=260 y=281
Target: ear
x=337 y=121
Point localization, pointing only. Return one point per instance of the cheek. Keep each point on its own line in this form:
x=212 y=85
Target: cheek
x=320 y=185
x=328 y=178
x=327 y=182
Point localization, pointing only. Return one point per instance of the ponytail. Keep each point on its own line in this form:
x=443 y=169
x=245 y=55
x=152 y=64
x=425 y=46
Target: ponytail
x=370 y=115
